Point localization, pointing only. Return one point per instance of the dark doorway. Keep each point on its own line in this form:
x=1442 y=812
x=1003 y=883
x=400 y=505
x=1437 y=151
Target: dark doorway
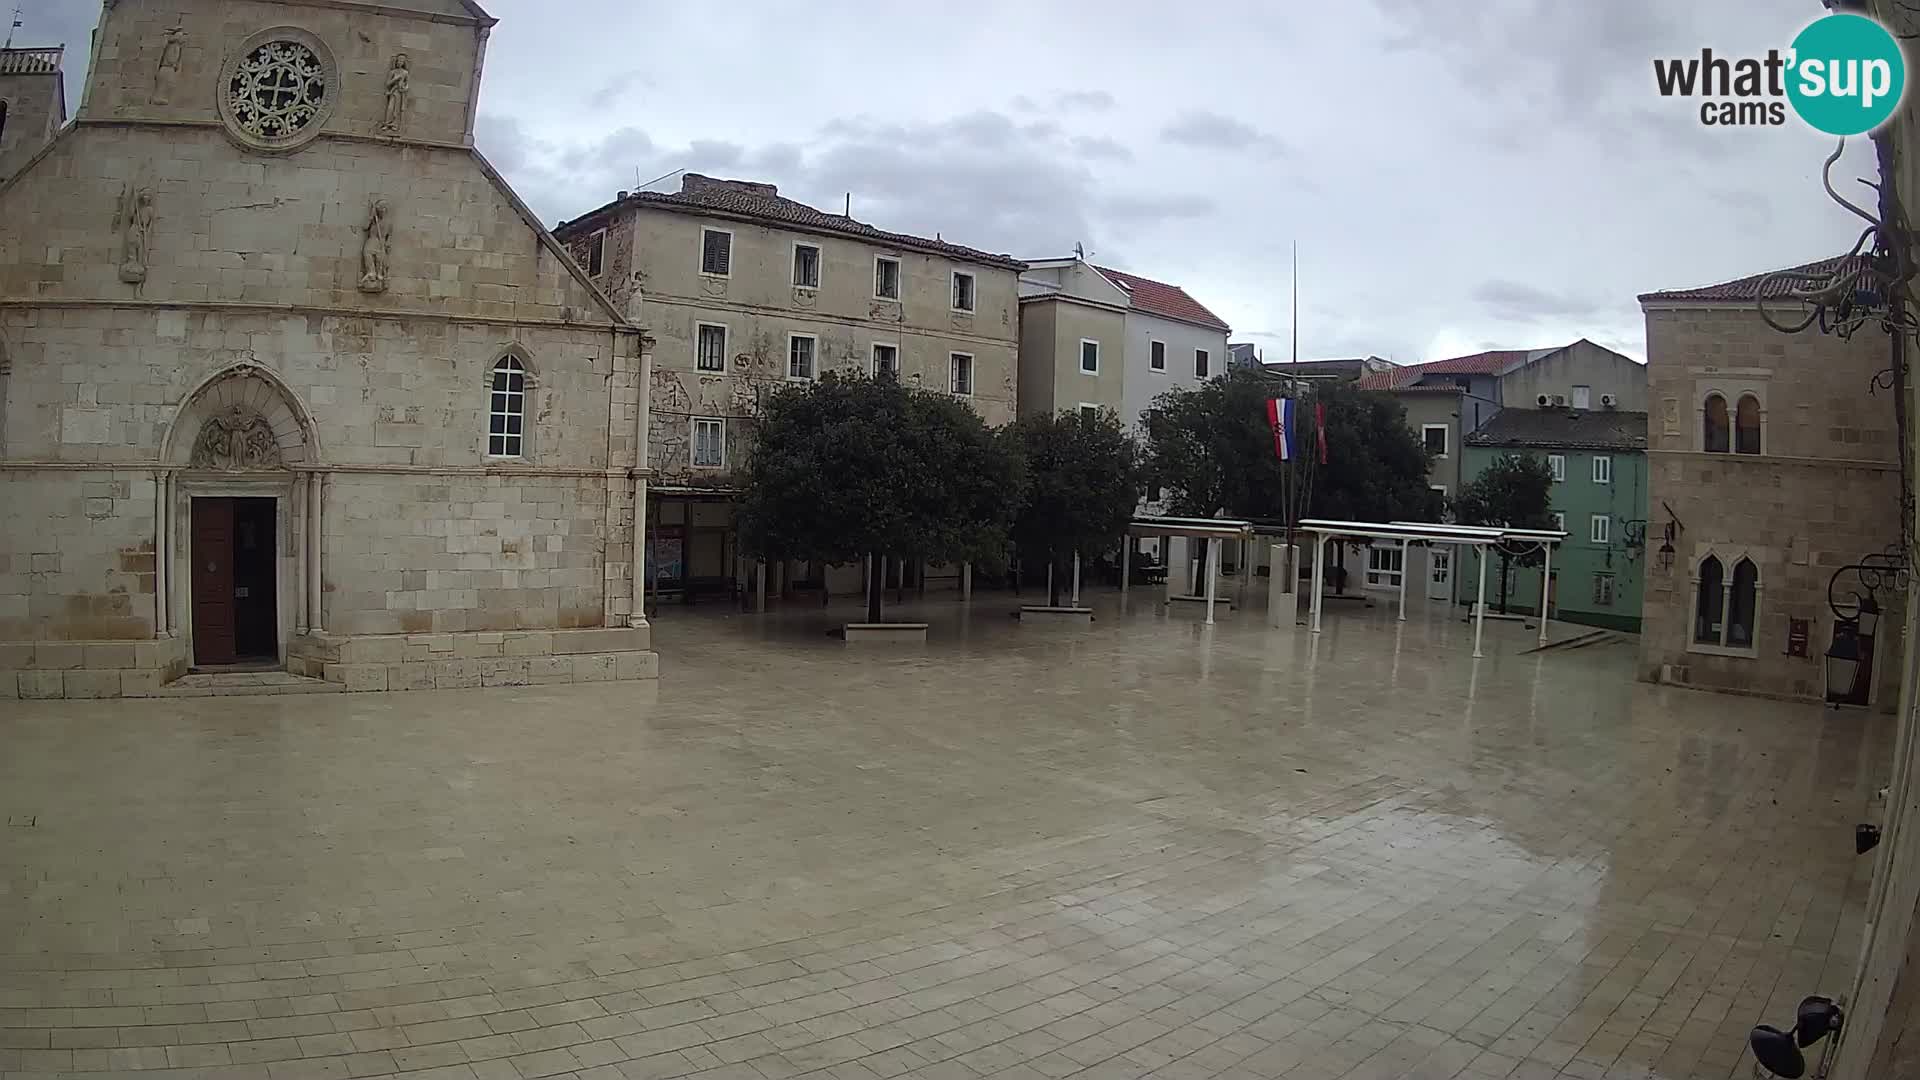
x=235 y=616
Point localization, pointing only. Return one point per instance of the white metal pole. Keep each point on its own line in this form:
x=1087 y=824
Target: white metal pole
x=1126 y=563
x=1213 y=575
x=1546 y=581
x=1319 y=577
x=1166 y=559
x=1076 y=579
x=1403 y=580
x=1480 y=603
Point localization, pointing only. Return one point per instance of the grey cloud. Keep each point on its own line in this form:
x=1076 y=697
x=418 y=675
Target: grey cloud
x=979 y=179
x=1214 y=131
x=610 y=92
x=1580 y=52
x=1516 y=301
x=1134 y=210
x=1023 y=103
x=1099 y=148
x=1090 y=100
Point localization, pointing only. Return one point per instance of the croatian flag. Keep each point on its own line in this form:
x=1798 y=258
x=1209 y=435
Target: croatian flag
x=1280 y=415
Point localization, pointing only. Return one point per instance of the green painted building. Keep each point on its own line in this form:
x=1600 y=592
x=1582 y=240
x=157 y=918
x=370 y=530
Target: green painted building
x=1599 y=460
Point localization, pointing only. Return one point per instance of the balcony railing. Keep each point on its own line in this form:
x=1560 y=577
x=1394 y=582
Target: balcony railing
x=30 y=61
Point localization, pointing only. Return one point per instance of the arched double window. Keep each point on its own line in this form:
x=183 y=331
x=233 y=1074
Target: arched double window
x=1726 y=607
x=507 y=411
x=1730 y=430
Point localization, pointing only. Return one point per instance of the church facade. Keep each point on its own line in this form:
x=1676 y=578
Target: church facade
x=289 y=377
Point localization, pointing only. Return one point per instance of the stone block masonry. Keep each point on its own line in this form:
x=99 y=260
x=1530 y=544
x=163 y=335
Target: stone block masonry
x=442 y=661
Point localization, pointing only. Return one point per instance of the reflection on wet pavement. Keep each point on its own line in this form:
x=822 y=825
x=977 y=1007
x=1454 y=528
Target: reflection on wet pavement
x=1148 y=848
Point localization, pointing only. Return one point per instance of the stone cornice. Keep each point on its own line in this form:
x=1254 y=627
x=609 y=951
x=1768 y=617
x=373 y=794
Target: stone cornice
x=235 y=307
x=1781 y=459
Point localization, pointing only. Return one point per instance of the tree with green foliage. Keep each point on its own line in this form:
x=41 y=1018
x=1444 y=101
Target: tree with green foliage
x=1211 y=449
x=1515 y=492
x=849 y=466
x=1083 y=483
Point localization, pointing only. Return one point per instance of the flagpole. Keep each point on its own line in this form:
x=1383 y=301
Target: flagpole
x=1296 y=301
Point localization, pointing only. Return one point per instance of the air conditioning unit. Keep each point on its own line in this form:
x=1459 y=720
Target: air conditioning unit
x=1543 y=401
x=1559 y=399
x=1608 y=401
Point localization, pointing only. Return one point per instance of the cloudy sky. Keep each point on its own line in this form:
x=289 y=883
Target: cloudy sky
x=1458 y=174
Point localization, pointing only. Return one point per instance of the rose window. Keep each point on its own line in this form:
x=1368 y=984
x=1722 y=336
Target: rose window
x=276 y=90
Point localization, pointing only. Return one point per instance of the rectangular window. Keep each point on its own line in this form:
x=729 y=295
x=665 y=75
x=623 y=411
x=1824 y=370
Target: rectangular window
x=886 y=360
x=1559 y=521
x=1583 y=397
x=1384 y=566
x=596 y=253
x=962 y=291
x=886 y=278
x=1089 y=412
x=1200 y=361
x=1157 y=360
x=709 y=443
x=1558 y=463
x=806 y=266
x=1603 y=590
x=800 y=356
x=1603 y=470
x=961 y=367
x=710 y=349
x=1435 y=438
x=716 y=252
x=1599 y=528
x=1089 y=357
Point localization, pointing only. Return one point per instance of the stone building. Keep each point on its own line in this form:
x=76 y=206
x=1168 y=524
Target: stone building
x=747 y=291
x=1447 y=400
x=291 y=377
x=1773 y=466
x=33 y=104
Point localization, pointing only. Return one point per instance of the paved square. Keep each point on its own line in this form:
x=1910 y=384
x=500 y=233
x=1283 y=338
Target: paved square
x=1143 y=849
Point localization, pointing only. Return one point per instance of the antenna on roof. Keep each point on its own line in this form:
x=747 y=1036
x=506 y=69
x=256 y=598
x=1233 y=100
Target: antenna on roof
x=11 y=29
x=642 y=187
x=848 y=211
x=1079 y=250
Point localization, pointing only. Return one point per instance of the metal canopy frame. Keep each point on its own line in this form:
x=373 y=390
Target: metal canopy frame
x=1430 y=533
x=1222 y=529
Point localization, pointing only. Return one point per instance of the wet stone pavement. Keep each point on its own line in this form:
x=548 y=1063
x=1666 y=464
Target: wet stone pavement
x=1144 y=849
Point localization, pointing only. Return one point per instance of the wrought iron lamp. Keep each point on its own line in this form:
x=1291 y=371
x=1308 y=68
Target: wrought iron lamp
x=1856 y=618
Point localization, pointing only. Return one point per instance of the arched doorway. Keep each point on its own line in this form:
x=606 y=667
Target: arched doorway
x=238 y=451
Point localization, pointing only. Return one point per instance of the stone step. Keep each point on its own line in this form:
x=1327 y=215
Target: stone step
x=237 y=683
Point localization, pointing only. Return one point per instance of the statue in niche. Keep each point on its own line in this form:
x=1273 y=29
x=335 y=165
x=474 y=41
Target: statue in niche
x=235 y=440
x=375 y=248
x=135 y=224
x=168 y=72
x=398 y=78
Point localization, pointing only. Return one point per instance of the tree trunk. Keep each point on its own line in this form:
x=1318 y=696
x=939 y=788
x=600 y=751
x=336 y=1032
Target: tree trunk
x=1340 y=566
x=1053 y=578
x=1503 y=583
x=876 y=585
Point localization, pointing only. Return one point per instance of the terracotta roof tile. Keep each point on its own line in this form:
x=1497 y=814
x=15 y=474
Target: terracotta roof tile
x=763 y=202
x=1748 y=289
x=1160 y=298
